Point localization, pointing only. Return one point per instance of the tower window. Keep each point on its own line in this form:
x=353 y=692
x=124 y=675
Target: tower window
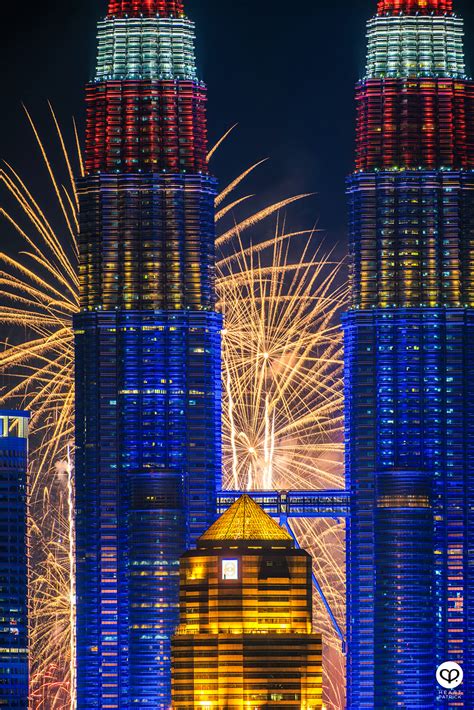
x=230 y=570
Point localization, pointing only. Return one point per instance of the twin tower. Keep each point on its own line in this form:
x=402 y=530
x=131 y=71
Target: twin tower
x=409 y=353
x=148 y=358
x=148 y=398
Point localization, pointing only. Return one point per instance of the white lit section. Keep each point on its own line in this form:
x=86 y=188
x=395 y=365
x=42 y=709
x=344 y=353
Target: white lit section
x=410 y=46
x=146 y=48
x=13 y=424
x=230 y=570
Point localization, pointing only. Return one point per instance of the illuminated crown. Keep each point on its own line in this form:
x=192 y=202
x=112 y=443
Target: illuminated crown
x=145 y=8
x=413 y=7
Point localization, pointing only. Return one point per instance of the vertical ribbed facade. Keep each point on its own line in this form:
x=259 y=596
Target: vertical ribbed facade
x=147 y=352
x=13 y=561
x=409 y=340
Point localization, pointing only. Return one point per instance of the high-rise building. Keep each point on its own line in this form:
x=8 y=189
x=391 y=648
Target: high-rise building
x=245 y=639
x=148 y=414
x=13 y=561
x=410 y=364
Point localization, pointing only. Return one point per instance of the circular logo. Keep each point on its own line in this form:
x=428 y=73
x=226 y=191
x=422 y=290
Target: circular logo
x=449 y=675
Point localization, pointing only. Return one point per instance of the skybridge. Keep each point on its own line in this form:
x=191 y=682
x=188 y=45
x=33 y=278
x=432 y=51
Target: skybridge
x=286 y=506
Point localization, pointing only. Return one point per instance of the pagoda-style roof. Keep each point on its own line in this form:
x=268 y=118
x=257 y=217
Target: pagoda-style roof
x=245 y=521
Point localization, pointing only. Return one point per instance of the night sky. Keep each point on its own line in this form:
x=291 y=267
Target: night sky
x=283 y=71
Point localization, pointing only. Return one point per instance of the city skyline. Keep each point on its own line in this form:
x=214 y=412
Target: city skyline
x=308 y=139
x=148 y=368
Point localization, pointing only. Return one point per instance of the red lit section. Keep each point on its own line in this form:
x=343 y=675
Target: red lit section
x=147 y=8
x=411 y=7
x=146 y=126
x=416 y=123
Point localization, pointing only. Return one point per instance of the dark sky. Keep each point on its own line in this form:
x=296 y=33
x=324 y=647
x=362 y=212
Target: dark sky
x=284 y=71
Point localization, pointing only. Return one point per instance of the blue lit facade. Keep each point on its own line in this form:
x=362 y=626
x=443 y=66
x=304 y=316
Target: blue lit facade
x=409 y=340
x=13 y=561
x=148 y=412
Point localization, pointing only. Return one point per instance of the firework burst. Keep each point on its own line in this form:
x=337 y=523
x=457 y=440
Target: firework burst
x=281 y=377
x=52 y=593
x=38 y=296
x=283 y=413
x=282 y=367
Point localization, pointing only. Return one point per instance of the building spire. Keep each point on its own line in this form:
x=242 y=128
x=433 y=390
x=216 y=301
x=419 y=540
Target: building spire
x=413 y=7
x=147 y=8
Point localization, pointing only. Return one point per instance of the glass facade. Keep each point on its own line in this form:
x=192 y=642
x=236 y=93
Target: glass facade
x=409 y=341
x=146 y=47
x=245 y=636
x=411 y=238
x=418 y=123
x=147 y=242
x=146 y=126
x=148 y=417
x=420 y=45
x=13 y=561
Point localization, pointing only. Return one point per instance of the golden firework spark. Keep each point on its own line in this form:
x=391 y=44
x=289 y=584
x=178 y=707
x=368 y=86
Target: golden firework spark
x=283 y=398
x=282 y=367
x=38 y=296
x=282 y=381
x=52 y=594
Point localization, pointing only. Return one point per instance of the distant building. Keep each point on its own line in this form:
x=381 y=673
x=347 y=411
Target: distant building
x=245 y=636
x=13 y=561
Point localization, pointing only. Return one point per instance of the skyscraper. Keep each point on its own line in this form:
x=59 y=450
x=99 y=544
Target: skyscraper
x=13 y=561
x=245 y=636
x=410 y=363
x=147 y=352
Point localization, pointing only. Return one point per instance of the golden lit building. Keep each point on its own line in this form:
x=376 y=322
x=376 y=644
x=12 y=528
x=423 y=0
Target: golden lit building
x=245 y=636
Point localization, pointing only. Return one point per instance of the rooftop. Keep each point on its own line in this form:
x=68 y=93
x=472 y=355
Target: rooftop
x=145 y=8
x=413 y=7
x=245 y=521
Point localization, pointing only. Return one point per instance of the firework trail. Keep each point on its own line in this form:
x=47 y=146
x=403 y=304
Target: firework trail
x=282 y=368
x=282 y=378
x=38 y=293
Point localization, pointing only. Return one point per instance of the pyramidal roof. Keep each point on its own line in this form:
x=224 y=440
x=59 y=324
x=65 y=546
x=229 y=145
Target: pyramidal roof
x=245 y=521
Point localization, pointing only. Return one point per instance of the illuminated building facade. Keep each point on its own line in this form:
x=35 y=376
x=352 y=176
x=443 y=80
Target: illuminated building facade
x=13 y=561
x=245 y=636
x=147 y=352
x=410 y=363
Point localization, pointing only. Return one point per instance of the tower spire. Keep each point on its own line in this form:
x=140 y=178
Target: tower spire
x=146 y=8
x=413 y=7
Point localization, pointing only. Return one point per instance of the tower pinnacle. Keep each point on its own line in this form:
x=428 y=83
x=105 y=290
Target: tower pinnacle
x=147 y=8
x=413 y=7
